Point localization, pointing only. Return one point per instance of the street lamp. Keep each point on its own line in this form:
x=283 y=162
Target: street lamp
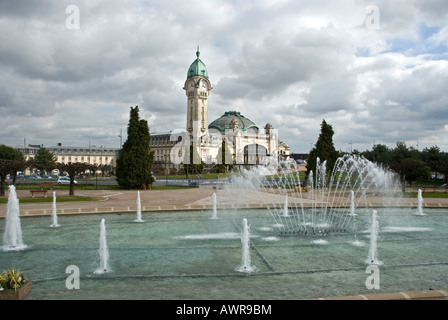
x=166 y=169
x=120 y=136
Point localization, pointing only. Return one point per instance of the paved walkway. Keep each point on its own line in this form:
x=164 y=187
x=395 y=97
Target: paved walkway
x=179 y=199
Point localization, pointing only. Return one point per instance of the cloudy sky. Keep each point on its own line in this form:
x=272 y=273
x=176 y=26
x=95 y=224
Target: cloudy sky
x=378 y=74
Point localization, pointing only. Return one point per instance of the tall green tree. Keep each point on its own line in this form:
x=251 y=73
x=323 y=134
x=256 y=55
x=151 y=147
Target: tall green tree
x=380 y=154
x=412 y=169
x=444 y=166
x=397 y=162
x=134 y=163
x=44 y=160
x=192 y=167
x=323 y=149
x=72 y=169
x=434 y=159
x=224 y=155
x=11 y=161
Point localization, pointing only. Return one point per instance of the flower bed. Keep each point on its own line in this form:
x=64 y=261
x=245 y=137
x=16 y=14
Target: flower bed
x=13 y=285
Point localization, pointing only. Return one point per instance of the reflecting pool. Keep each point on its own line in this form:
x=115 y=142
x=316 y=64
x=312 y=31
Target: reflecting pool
x=187 y=255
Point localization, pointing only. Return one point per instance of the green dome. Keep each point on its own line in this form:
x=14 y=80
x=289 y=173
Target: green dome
x=197 y=68
x=224 y=122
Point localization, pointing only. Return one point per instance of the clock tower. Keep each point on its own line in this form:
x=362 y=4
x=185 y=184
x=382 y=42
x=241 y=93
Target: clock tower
x=197 y=88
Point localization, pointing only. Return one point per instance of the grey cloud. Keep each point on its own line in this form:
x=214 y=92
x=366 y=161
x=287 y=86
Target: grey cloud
x=292 y=63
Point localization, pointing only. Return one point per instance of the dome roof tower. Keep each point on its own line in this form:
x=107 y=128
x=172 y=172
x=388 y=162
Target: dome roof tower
x=197 y=68
x=233 y=119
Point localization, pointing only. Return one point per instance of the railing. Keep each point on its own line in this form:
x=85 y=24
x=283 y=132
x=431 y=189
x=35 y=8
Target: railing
x=434 y=189
x=191 y=182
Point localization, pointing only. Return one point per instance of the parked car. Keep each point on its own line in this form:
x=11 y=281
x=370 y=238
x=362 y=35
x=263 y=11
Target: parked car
x=45 y=176
x=65 y=180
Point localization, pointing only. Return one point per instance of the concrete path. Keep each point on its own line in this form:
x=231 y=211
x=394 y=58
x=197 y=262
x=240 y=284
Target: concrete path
x=182 y=199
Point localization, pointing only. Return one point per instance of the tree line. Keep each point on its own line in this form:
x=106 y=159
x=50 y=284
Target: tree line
x=133 y=169
x=408 y=162
x=13 y=161
x=134 y=162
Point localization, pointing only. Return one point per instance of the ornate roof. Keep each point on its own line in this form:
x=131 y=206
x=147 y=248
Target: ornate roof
x=197 y=68
x=230 y=119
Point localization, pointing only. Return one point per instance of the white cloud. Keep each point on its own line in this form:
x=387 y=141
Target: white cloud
x=290 y=63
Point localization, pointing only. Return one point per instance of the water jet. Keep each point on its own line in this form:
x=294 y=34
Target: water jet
x=245 y=257
x=54 y=213
x=373 y=249
x=214 y=207
x=12 y=237
x=139 y=208
x=103 y=250
x=420 y=203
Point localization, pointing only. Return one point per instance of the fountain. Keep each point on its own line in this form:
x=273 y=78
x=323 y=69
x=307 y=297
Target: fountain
x=12 y=237
x=53 y=212
x=420 y=203
x=245 y=257
x=103 y=251
x=329 y=205
x=190 y=255
x=352 y=203
x=139 y=209
x=373 y=249
x=215 y=210
x=285 y=207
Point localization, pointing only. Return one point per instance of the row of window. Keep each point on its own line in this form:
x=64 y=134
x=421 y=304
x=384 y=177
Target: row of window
x=201 y=94
x=85 y=151
x=162 y=143
x=28 y=151
x=162 y=151
x=82 y=158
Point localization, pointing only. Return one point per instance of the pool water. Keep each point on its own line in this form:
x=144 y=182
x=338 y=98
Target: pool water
x=187 y=255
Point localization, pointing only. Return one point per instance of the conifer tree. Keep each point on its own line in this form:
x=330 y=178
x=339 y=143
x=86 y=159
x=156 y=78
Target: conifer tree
x=134 y=162
x=44 y=161
x=323 y=149
x=225 y=158
x=193 y=167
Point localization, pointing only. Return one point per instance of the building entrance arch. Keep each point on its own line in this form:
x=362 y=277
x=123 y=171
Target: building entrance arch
x=254 y=153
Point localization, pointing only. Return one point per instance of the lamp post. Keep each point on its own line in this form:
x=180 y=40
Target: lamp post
x=166 y=169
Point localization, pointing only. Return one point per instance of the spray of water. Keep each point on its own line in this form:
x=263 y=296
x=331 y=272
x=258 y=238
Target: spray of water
x=373 y=249
x=12 y=237
x=245 y=257
x=214 y=207
x=324 y=203
x=103 y=250
x=139 y=208
x=420 y=203
x=54 y=213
